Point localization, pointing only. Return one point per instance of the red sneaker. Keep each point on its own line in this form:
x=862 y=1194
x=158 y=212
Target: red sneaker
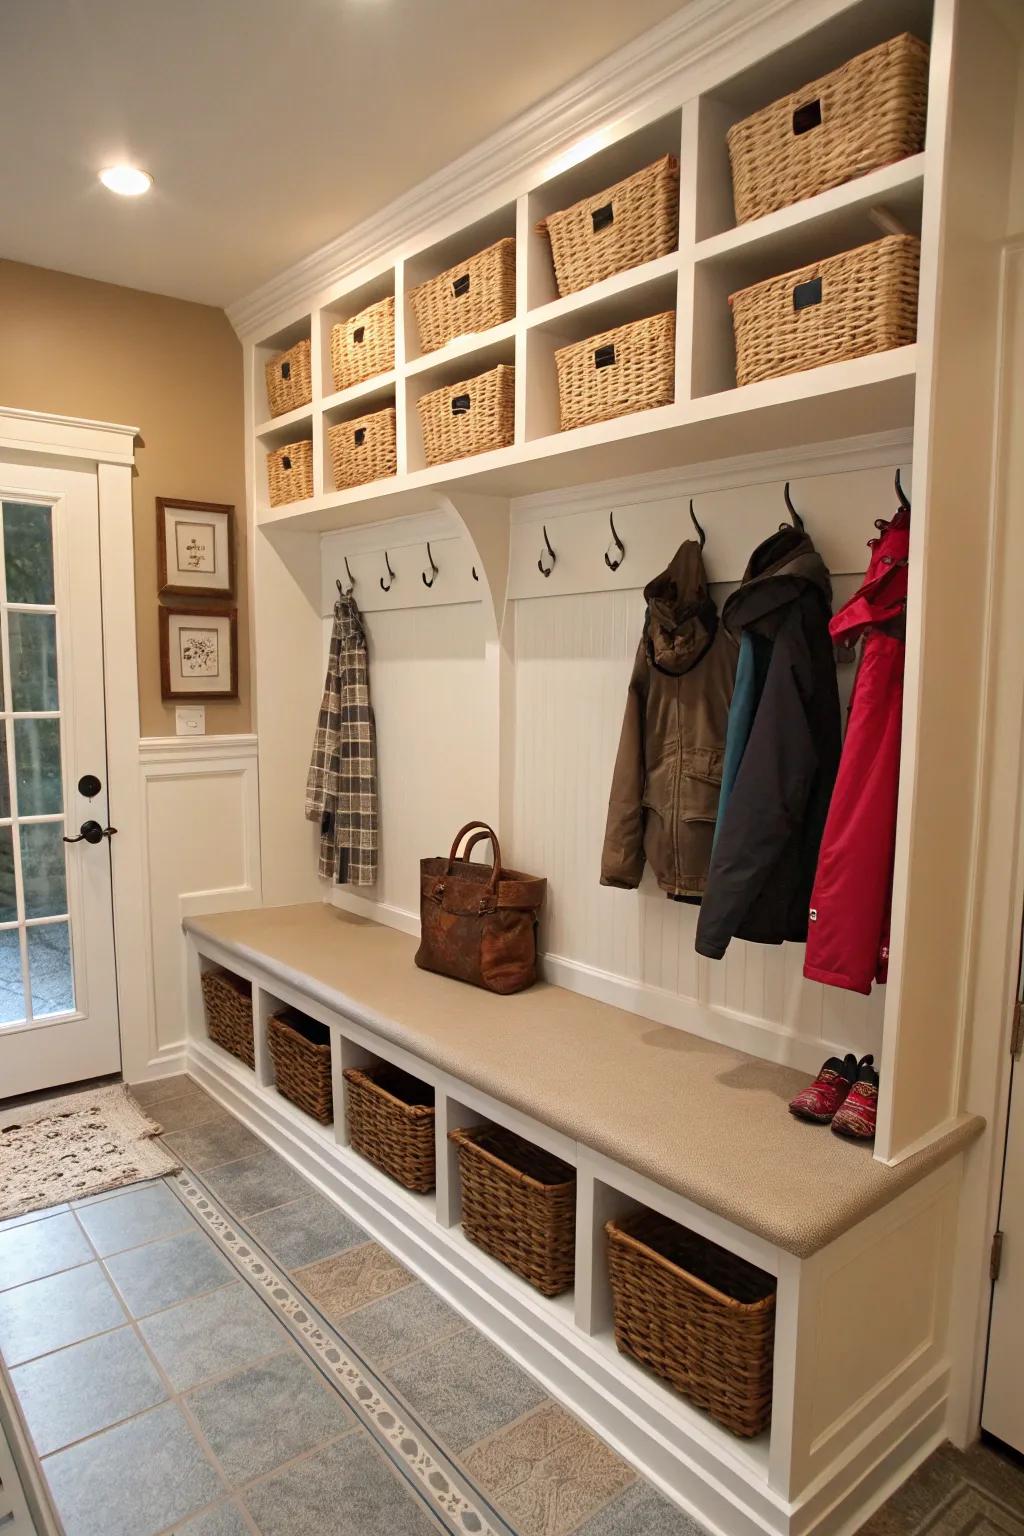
x=856 y=1117
x=827 y=1093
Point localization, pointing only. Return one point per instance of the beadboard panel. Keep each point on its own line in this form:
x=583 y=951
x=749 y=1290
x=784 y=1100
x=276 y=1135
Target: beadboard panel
x=573 y=657
x=428 y=685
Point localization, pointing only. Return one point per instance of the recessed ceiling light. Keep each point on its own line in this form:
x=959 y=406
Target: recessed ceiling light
x=126 y=180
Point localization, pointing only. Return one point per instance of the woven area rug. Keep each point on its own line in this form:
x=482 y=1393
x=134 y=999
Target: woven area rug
x=82 y=1144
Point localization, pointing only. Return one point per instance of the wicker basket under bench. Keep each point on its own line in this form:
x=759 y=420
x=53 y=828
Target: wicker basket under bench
x=300 y=1049
x=391 y=1123
x=227 y=1004
x=519 y=1205
x=697 y=1315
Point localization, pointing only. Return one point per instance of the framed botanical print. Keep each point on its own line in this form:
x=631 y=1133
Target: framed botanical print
x=195 y=547
x=199 y=653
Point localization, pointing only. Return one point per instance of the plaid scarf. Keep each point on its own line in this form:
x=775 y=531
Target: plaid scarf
x=341 y=792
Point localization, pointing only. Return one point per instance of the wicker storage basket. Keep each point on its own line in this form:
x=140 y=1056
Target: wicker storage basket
x=631 y=368
x=227 y=1001
x=363 y=345
x=868 y=113
x=290 y=473
x=300 y=1049
x=391 y=1123
x=469 y=417
x=696 y=1315
x=634 y=221
x=473 y=296
x=289 y=379
x=861 y=301
x=363 y=449
x=519 y=1205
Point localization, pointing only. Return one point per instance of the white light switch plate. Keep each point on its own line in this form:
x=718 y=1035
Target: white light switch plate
x=190 y=720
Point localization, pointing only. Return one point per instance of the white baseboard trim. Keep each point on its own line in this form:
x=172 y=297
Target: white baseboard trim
x=884 y=1476
x=169 y=1061
x=720 y=1483
x=742 y=1031
x=725 y=1026
x=377 y=911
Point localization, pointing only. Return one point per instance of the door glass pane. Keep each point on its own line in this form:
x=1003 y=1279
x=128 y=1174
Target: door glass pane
x=33 y=639
x=12 y=993
x=28 y=553
x=5 y=787
x=37 y=760
x=8 y=894
x=42 y=869
x=49 y=963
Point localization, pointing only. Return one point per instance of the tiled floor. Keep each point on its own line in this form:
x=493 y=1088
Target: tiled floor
x=226 y=1353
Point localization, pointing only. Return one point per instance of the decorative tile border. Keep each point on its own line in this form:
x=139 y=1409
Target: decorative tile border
x=422 y=1462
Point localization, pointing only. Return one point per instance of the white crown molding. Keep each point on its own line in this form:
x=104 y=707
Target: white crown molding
x=690 y=39
x=181 y=749
x=870 y=452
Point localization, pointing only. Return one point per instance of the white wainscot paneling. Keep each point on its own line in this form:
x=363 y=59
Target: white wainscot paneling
x=429 y=688
x=201 y=853
x=573 y=659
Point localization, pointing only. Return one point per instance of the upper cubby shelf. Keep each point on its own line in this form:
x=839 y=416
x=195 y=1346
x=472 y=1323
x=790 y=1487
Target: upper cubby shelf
x=852 y=399
x=713 y=257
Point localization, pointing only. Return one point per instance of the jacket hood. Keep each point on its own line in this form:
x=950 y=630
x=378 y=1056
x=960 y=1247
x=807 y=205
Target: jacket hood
x=778 y=573
x=682 y=619
x=882 y=596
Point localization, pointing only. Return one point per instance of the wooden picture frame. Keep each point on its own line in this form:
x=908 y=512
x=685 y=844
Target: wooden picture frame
x=204 y=541
x=214 y=625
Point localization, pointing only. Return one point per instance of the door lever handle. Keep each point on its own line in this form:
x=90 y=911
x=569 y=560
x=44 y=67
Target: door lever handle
x=91 y=832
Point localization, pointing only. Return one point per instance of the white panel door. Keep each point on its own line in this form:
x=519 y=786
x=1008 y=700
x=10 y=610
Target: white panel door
x=58 y=997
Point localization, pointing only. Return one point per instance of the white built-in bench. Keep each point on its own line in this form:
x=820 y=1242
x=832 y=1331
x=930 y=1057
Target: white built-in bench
x=648 y=1115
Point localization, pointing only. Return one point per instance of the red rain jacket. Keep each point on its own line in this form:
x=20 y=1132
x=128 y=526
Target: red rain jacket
x=848 y=932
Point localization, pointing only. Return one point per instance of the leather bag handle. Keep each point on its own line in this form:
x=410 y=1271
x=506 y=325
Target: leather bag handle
x=472 y=826
x=478 y=837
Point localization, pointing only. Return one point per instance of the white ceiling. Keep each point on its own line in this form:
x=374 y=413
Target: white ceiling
x=269 y=126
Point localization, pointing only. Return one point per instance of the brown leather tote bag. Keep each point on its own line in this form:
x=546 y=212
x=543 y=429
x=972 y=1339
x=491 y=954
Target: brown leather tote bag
x=478 y=922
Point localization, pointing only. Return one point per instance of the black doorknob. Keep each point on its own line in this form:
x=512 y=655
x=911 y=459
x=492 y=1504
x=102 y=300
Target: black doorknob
x=91 y=832
x=89 y=785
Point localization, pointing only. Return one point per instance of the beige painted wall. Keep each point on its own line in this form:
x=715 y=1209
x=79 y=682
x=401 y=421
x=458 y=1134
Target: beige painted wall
x=174 y=370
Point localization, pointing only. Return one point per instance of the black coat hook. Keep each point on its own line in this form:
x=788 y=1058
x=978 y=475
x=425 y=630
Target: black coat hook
x=547 y=546
x=795 y=517
x=475 y=576
x=702 y=536
x=391 y=575
x=433 y=569
x=351 y=581
x=613 y=565
x=901 y=493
